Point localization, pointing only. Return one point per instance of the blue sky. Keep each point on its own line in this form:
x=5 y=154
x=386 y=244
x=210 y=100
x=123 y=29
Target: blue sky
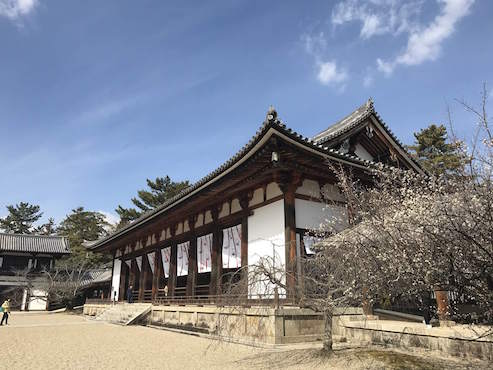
x=96 y=96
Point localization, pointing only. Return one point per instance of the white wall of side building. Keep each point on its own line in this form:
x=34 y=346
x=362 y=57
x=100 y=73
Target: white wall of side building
x=38 y=300
x=266 y=238
x=115 y=282
x=312 y=215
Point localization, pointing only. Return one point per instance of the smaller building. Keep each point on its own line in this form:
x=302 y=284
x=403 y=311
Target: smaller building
x=23 y=258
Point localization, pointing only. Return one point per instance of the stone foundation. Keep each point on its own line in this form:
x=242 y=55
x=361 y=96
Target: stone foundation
x=459 y=340
x=254 y=324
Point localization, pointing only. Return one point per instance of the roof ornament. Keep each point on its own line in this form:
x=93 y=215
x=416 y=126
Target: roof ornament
x=345 y=146
x=369 y=104
x=271 y=114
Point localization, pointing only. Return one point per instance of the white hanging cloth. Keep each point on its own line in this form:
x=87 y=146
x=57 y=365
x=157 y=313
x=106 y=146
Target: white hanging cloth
x=166 y=257
x=182 y=259
x=204 y=253
x=151 y=258
x=232 y=247
x=129 y=264
x=139 y=262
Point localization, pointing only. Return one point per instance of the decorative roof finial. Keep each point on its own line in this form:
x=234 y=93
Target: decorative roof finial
x=369 y=103
x=271 y=114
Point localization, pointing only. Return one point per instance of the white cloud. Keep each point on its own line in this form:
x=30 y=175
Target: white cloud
x=368 y=80
x=314 y=44
x=424 y=42
x=330 y=74
x=378 y=17
x=425 y=45
x=14 y=9
x=111 y=218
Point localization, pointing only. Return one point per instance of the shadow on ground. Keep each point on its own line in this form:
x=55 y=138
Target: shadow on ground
x=354 y=358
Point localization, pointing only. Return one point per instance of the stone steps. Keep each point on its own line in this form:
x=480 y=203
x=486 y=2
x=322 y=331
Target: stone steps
x=124 y=314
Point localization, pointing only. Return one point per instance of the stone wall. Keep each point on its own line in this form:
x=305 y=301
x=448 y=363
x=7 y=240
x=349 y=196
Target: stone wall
x=256 y=324
x=94 y=309
x=459 y=340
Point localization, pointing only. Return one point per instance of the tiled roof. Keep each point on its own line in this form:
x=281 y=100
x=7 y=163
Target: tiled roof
x=33 y=244
x=96 y=276
x=346 y=124
x=271 y=121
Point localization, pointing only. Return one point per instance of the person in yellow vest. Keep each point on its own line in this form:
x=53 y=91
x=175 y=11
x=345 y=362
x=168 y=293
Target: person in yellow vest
x=6 y=311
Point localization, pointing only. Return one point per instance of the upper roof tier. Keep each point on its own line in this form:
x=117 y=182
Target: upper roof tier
x=34 y=244
x=326 y=145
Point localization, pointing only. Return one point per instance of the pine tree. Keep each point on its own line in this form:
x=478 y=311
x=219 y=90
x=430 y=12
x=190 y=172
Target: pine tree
x=21 y=218
x=160 y=190
x=80 y=227
x=48 y=228
x=436 y=153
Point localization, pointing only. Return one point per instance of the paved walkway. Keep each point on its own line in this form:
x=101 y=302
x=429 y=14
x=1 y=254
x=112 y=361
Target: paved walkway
x=65 y=341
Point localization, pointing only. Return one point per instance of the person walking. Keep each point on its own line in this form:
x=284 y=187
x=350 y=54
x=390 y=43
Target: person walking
x=6 y=311
x=129 y=294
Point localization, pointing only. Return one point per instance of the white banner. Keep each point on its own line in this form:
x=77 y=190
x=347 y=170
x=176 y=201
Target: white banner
x=139 y=262
x=204 y=253
x=115 y=284
x=151 y=257
x=182 y=259
x=232 y=247
x=166 y=258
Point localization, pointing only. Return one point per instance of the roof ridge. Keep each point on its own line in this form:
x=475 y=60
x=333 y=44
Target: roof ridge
x=35 y=235
x=270 y=121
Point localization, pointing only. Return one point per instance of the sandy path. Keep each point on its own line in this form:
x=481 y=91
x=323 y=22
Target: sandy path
x=62 y=341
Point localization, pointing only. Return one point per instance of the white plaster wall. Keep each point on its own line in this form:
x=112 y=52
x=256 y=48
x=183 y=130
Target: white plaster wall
x=310 y=188
x=235 y=206
x=258 y=197
x=115 y=282
x=272 y=190
x=316 y=215
x=362 y=152
x=266 y=239
x=37 y=301
x=224 y=210
x=200 y=220
x=207 y=217
x=332 y=192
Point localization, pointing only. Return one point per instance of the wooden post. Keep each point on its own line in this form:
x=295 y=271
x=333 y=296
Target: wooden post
x=443 y=306
x=244 y=241
x=172 y=271
x=157 y=274
x=216 y=255
x=192 y=259
x=143 y=278
x=288 y=183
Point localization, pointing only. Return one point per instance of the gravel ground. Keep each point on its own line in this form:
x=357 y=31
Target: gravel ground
x=64 y=341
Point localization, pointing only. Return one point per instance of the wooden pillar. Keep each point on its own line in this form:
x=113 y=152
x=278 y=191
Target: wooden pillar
x=443 y=306
x=123 y=278
x=216 y=255
x=244 y=241
x=172 y=265
x=288 y=184
x=143 y=278
x=192 y=259
x=132 y=273
x=157 y=273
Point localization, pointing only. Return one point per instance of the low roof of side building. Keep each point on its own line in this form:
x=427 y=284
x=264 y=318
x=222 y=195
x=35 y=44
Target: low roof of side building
x=23 y=243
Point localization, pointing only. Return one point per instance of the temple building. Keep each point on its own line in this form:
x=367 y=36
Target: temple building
x=23 y=258
x=261 y=202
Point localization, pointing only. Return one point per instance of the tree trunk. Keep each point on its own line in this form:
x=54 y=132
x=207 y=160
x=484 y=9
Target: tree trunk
x=327 y=342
